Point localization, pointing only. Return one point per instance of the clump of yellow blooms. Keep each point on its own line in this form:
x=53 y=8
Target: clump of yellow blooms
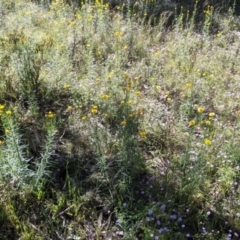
x=50 y=114
x=200 y=109
x=8 y=112
x=1 y=108
x=94 y=109
x=192 y=123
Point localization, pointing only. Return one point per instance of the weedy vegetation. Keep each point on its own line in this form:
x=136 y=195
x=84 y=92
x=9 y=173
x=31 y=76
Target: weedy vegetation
x=119 y=121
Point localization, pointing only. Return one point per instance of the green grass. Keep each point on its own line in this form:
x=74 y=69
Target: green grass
x=114 y=124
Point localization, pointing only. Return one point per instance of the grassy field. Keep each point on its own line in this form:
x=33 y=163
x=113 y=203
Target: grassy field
x=115 y=124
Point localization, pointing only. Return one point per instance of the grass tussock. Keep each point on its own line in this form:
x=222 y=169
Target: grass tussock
x=114 y=125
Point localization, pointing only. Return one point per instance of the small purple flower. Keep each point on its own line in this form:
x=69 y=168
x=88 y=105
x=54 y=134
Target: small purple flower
x=183 y=225
x=148 y=219
x=164 y=229
x=158 y=222
x=150 y=211
x=118 y=222
x=173 y=216
x=124 y=204
x=187 y=235
x=179 y=219
x=204 y=230
x=163 y=207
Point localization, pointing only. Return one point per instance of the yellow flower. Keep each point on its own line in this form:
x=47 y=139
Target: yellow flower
x=127 y=89
x=212 y=76
x=189 y=85
x=137 y=92
x=94 y=109
x=169 y=99
x=105 y=96
x=50 y=114
x=208 y=122
x=142 y=134
x=122 y=102
x=158 y=87
x=66 y=86
x=69 y=108
x=2 y=106
x=191 y=123
x=131 y=115
x=157 y=54
x=211 y=114
x=130 y=101
x=130 y=83
x=1 y=142
x=8 y=112
x=105 y=115
x=207 y=141
x=118 y=34
x=124 y=122
x=139 y=112
x=84 y=117
x=200 y=109
x=7 y=131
